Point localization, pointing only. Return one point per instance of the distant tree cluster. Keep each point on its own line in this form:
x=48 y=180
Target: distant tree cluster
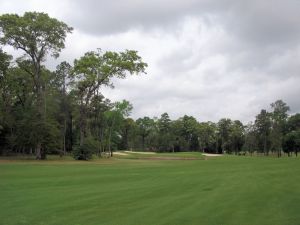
x=273 y=132
x=63 y=111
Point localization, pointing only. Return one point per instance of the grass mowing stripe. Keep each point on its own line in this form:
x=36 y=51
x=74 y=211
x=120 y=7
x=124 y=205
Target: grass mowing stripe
x=223 y=190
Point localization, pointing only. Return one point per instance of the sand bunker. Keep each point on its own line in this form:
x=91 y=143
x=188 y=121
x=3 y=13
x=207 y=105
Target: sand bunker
x=213 y=155
x=140 y=152
x=120 y=153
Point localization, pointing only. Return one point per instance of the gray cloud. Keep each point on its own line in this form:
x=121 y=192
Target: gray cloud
x=263 y=22
x=207 y=58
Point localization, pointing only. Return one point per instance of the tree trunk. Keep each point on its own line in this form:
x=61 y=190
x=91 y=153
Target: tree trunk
x=126 y=139
x=65 y=133
x=101 y=142
x=109 y=144
x=38 y=151
x=143 y=142
x=41 y=115
x=265 y=144
x=71 y=133
x=82 y=124
x=81 y=136
x=222 y=146
x=40 y=118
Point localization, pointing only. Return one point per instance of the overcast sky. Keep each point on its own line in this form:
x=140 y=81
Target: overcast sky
x=207 y=58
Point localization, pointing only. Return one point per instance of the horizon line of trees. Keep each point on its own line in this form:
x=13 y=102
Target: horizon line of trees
x=63 y=111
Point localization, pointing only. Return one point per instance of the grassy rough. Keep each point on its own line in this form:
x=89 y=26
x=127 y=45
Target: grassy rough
x=223 y=190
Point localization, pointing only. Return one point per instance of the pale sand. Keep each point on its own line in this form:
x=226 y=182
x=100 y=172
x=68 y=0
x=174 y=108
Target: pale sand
x=209 y=154
x=120 y=153
x=140 y=152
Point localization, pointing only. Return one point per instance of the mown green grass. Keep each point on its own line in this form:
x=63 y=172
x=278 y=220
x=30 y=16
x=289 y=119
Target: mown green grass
x=221 y=191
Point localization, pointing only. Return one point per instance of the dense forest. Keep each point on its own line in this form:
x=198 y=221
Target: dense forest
x=64 y=112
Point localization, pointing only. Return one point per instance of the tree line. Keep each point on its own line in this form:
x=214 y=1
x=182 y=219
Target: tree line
x=63 y=111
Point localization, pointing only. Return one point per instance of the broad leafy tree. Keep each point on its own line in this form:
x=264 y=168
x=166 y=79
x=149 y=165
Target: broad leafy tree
x=63 y=81
x=279 y=119
x=145 y=127
x=37 y=35
x=236 y=136
x=165 y=138
x=94 y=70
x=263 y=126
x=224 y=129
x=207 y=132
x=292 y=137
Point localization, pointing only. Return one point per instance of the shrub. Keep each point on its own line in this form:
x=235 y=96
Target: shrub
x=85 y=152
